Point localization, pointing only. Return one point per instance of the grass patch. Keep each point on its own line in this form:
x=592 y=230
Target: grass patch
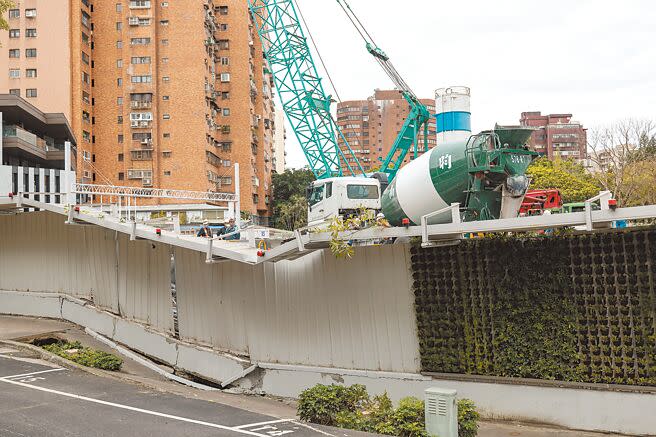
x=85 y=356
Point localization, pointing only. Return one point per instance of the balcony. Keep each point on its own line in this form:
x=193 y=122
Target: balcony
x=17 y=138
x=141 y=124
x=145 y=144
x=137 y=104
x=141 y=155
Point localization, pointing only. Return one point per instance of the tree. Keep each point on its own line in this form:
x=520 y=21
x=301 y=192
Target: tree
x=292 y=214
x=621 y=153
x=5 y=5
x=568 y=176
x=289 y=204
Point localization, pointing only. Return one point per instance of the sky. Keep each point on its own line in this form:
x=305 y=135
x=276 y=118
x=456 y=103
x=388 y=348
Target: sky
x=595 y=59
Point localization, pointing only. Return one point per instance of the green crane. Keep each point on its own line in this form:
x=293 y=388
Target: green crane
x=306 y=104
x=300 y=89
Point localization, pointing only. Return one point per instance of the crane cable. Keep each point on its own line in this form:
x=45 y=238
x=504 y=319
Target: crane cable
x=386 y=65
x=316 y=49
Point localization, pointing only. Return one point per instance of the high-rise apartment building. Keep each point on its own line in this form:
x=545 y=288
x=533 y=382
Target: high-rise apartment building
x=371 y=126
x=280 y=137
x=164 y=94
x=556 y=135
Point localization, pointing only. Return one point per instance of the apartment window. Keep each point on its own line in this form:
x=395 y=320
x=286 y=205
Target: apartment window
x=14 y=13
x=119 y=82
x=166 y=154
x=85 y=97
x=139 y=4
x=225 y=77
x=119 y=7
x=225 y=61
x=86 y=19
x=120 y=139
x=85 y=39
x=119 y=44
x=15 y=92
x=30 y=33
x=142 y=136
x=223 y=27
x=226 y=112
x=166 y=79
x=119 y=63
x=166 y=117
x=141 y=79
x=14 y=53
x=119 y=119
x=86 y=78
x=30 y=53
x=165 y=60
x=121 y=176
x=120 y=157
x=166 y=135
x=224 y=44
x=165 y=42
x=223 y=10
x=139 y=21
x=85 y=58
x=140 y=60
x=167 y=173
x=119 y=101
x=30 y=92
x=30 y=13
x=85 y=116
x=139 y=41
x=86 y=136
x=164 y=22
x=119 y=25
x=225 y=95
x=166 y=97
x=226 y=146
x=165 y=4
x=14 y=73
x=14 y=33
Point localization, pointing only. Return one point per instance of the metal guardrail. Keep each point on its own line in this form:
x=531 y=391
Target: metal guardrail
x=162 y=193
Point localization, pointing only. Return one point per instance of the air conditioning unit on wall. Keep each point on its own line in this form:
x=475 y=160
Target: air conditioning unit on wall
x=441 y=412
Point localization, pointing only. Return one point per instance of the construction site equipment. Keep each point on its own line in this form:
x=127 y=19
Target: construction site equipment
x=536 y=202
x=485 y=175
x=299 y=86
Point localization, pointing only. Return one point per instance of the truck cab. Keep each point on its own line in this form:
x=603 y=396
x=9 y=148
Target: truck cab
x=341 y=196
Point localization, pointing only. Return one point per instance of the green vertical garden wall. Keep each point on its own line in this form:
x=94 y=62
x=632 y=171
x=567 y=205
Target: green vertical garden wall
x=572 y=308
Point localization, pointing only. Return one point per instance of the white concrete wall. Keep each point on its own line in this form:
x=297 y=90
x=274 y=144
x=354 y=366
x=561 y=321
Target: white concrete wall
x=315 y=310
x=39 y=252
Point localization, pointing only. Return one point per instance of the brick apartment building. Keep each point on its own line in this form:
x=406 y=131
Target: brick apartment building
x=371 y=126
x=158 y=93
x=556 y=135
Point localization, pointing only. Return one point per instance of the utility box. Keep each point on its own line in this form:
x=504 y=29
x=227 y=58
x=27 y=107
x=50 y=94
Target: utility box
x=441 y=412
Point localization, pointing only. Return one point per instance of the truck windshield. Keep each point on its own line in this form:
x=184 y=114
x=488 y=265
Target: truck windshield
x=362 y=191
x=316 y=195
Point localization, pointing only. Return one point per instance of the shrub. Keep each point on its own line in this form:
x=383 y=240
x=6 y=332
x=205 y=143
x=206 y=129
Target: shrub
x=321 y=403
x=352 y=408
x=85 y=356
x=467 y=418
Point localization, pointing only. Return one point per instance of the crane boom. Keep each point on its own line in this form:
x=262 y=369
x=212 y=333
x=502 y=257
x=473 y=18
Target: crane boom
x=300 y=89
x=419 y=115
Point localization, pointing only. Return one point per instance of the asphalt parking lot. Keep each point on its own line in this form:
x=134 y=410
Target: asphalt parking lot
x=41 y=399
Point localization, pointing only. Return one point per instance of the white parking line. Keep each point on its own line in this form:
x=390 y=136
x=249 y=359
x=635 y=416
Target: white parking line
x=129 y=408
x=25 y=375
x=251 y=425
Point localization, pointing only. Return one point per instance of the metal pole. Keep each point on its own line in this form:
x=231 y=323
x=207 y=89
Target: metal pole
x=1 y=135
x=68 y=183
x=238 y=196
